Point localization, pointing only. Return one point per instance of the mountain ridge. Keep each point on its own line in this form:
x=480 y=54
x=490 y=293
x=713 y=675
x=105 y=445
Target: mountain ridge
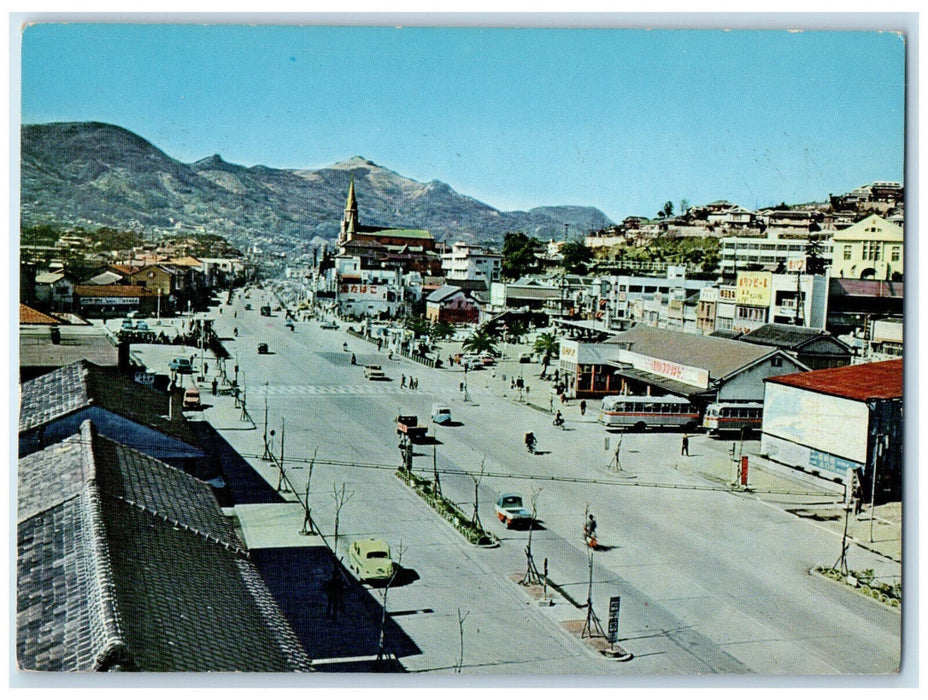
x=97 y=174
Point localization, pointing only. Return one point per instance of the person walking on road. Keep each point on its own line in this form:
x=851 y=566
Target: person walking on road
x=583 y=408
x=403 y=381
x=685 y=447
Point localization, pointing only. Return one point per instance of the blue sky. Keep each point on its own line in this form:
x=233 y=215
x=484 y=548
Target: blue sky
x=623 y=120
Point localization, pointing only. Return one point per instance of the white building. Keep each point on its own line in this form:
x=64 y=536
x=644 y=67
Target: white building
x=466 y=262
x=740 y=252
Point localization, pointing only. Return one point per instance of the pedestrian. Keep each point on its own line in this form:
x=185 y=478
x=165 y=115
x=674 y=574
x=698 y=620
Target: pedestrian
x=206 y=368
x=215 y=386
x=563 y=397
x=403 y=381
x=685 y=448
x=583 y=408
x=512 y=383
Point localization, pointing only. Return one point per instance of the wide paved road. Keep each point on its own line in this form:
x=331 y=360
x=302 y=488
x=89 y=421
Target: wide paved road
x=710 y=581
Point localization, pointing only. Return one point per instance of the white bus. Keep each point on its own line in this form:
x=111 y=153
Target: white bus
x=640 y=412
x=721 y=417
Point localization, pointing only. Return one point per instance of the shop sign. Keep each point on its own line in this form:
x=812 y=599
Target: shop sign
x=753 y=289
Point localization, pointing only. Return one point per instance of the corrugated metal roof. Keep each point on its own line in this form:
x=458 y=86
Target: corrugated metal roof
x=875 y=380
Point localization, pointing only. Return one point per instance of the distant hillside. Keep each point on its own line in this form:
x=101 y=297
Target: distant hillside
x=91 y=174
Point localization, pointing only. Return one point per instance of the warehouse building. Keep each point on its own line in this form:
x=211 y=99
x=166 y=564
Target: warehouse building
x=839 y=422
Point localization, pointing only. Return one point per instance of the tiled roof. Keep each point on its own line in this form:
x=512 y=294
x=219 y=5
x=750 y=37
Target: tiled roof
x=30 y=316
x=720 y=356
x=785 y=336
x=124 y=560
x=78 y=385
x=874 y=380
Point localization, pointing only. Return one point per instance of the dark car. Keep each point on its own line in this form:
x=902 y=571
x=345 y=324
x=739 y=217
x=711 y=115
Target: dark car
x=262 y=349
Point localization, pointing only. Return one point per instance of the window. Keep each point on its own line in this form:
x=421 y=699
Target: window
x=872 y=250
x=847 y=252
x=776 y=361
x=896 y=253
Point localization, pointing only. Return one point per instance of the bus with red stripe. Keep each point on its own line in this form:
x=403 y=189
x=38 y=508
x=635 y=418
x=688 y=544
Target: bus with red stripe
x=642 y=412
x=733 y=417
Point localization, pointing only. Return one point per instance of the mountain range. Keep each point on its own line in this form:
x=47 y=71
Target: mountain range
x=92 y=174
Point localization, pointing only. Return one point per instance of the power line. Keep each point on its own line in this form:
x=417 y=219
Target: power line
x=538 y=477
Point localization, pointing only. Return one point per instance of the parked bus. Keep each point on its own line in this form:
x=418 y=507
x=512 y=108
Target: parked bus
x=640 y=412
x=721 y=417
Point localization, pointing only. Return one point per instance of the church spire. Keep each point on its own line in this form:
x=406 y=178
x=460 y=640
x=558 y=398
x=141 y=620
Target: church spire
x=350 y=219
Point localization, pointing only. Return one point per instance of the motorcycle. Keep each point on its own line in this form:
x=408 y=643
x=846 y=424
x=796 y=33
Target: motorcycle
x=558 y=421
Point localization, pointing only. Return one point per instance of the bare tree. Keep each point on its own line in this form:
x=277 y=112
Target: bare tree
x=461 y=619
x=531 y=576
x=341 y=498
x=308 y=528
x=477 y=480
x=381 y=639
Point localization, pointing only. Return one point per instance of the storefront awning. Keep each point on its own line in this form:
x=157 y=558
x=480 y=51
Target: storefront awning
x=669 y=385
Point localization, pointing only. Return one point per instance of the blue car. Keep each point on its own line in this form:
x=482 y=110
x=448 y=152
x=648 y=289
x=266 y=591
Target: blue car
x=181 y=365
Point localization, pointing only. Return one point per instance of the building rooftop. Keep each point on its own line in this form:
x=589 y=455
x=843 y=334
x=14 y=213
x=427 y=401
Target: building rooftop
x=125 y=563
x=786 y=336
x=875 y=380
x=33 y=317
x=719 y=356
x=81 y=384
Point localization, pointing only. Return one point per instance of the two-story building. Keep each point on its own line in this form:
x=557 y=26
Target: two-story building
x=873 y=248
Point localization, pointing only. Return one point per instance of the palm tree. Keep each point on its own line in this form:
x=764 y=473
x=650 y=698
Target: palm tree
x=546 y=345
x=440 y=330
x=480 y=342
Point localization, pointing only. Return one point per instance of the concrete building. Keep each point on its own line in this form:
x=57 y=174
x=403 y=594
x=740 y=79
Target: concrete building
x=873 y=248
x=466 y=262
x=127 y=564
x=766 y=297
x=769 y=252
x=664 y=302
x=837 y=422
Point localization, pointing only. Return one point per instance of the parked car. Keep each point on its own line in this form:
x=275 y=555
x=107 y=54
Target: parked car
x=141 y=326
x=192 y=397
x=262 y=349
x=370 y=560
x=127 y=324
x=471 y=363
x=440 y=413
x=526 y=357
x=181 y=365
x=329 y=325
x=247 y=307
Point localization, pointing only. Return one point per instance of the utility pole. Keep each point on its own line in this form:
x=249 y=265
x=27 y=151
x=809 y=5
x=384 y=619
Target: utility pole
x=267 y=451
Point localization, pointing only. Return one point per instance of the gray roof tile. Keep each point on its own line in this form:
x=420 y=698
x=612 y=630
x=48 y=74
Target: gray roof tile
x=125 y=562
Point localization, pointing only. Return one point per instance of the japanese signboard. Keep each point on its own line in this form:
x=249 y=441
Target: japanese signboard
x=753 y=289
x=615 y=602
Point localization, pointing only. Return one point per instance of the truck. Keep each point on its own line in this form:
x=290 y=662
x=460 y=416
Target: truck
x=409 y=428
x=511 y=512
